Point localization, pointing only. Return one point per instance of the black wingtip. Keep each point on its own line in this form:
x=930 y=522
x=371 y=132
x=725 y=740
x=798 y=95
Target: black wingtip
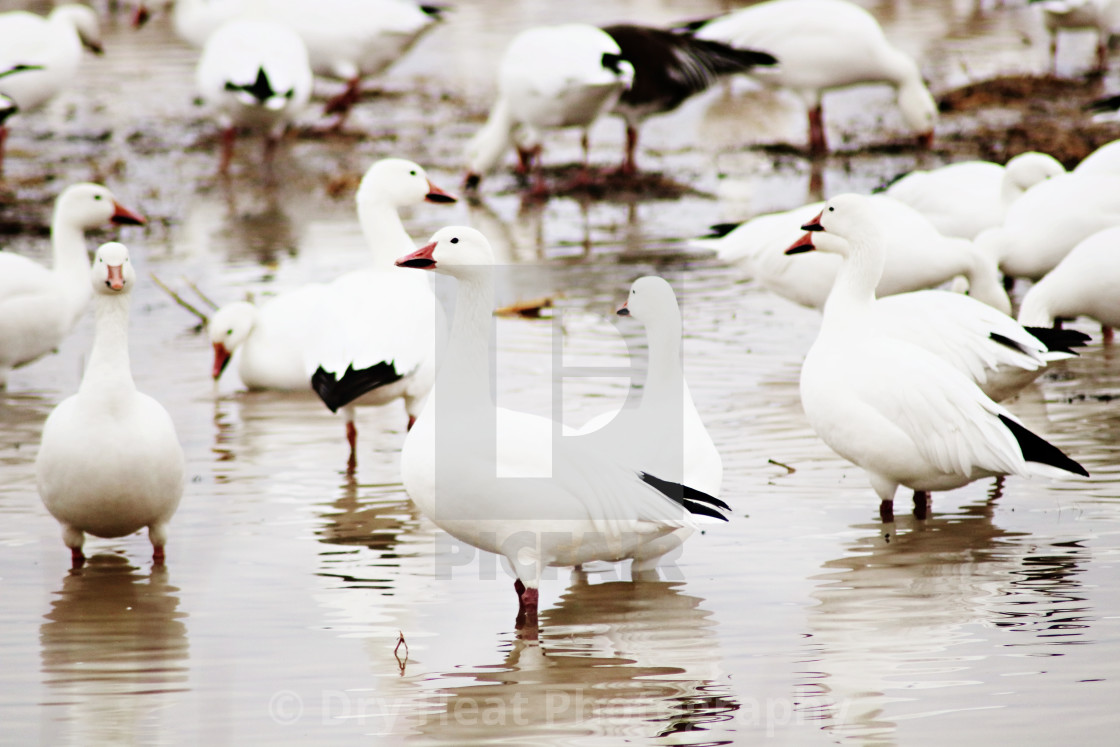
x=339 y=392
x=719 y=230
x=1059 y=340
x=693 y=500
x=1107 y=104
x=1039 y=450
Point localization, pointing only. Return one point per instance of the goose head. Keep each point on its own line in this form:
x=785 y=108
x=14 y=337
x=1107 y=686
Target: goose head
x=651 y=299
x=918 y=109
x=229 y=327
x=840 y=220
x=112 y=272
x=85 y=206
x=397 y=182
x=454 y=250
x=85 y=23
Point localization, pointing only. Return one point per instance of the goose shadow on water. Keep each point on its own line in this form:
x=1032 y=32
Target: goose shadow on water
x=892 y=636
x=114 y=650
x=615 y=659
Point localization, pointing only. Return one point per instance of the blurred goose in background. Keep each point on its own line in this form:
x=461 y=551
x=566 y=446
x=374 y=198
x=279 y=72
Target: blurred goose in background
x=549 y=77
x=669 y=67
x=900 y=412
x=1049 y=219
x=40 y=56
x=39 y=306
x=109 y=462
x=921 y=258
x=962 y=199
x=822 y=45
x=253 y=74
x=1084 y=283
x=1103 y=160
x=347 y=40
x=1099 y=16
x=593 y=505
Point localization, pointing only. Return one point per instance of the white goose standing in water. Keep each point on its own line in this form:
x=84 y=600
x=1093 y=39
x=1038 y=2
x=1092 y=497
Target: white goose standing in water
x=902 y=413
x=595 y=505
x=109 y=461
x=39 y=306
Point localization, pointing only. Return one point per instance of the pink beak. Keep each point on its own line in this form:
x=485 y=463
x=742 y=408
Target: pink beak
x=221 y=360
x=435 y=194
x=421 y=259
x=116 y=277
x=123 y=216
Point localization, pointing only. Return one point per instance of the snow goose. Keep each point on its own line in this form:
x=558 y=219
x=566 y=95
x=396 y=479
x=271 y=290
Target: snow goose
x=347 y=40
x=375 y=341
x=549 y=77
x=925 y=259
x=40 y=56
x=822 y=45
x=39 y=307
x=682 y=450
x=962 y=199
x=1084 y=283
x=900 y=412
x=109 y=462
x=669 y=67
x=1105 y=159
x=1049 y=219
x=1100 y=16
x=253 y=73
x=457 y=459
x=988 y=346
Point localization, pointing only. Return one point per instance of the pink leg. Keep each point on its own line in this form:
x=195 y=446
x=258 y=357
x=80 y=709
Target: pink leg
x=77 y=557
x=1106 y=334
x=922 y=503
x=229 y=134
x=3 y=140
x=344 y=102
x=157 y=555
x=526 y=621
x=526 y=157
x=817 y=144
x=630 y=165
x=411 y=422
x=352 y=439
x=886 y=511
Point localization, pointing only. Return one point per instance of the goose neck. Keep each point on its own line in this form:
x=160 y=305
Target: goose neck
x=853 y=291
x=108 y=369
x=464 y=374
x=384 y=233
x=664 y=377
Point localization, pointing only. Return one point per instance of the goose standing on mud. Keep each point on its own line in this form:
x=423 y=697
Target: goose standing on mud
x=459 y=460
x=109 y=462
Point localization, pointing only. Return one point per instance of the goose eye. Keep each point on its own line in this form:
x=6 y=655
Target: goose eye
x=454 y=241
x=229 y=332
x=97 y=197
x=831 y=209
x=412 y=173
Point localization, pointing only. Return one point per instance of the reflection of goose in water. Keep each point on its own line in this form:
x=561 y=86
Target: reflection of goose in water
x=114 y=654
x=894 y=634
x=616 y=659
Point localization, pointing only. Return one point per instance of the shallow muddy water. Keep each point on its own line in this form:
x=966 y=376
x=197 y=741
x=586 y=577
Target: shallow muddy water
x=290 y=584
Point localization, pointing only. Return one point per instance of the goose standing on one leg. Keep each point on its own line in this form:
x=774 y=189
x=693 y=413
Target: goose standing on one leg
x=900 y=412
x=550 y=77
x=376 y=340
x=458 y=461
x=39 y=307
x=823 y=45
x=669 y=67
x=256 y=74
x=110 y=462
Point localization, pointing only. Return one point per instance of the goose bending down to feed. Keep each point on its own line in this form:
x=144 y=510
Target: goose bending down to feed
x=377 y=325
x=669 y=67
x=253 y=74
x=925 y=259
x=40 y=56
x=1084 y=283
x=110 y=462
x=459 y=460
x=824 y=45
x=964 y=198
x=903 y=414
x=550 y=77
x=664 y=432
x=347 y=40
x=1099 y=16
x=39 y=306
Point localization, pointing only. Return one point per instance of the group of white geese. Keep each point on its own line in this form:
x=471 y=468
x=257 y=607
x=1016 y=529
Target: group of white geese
x=904 y=379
